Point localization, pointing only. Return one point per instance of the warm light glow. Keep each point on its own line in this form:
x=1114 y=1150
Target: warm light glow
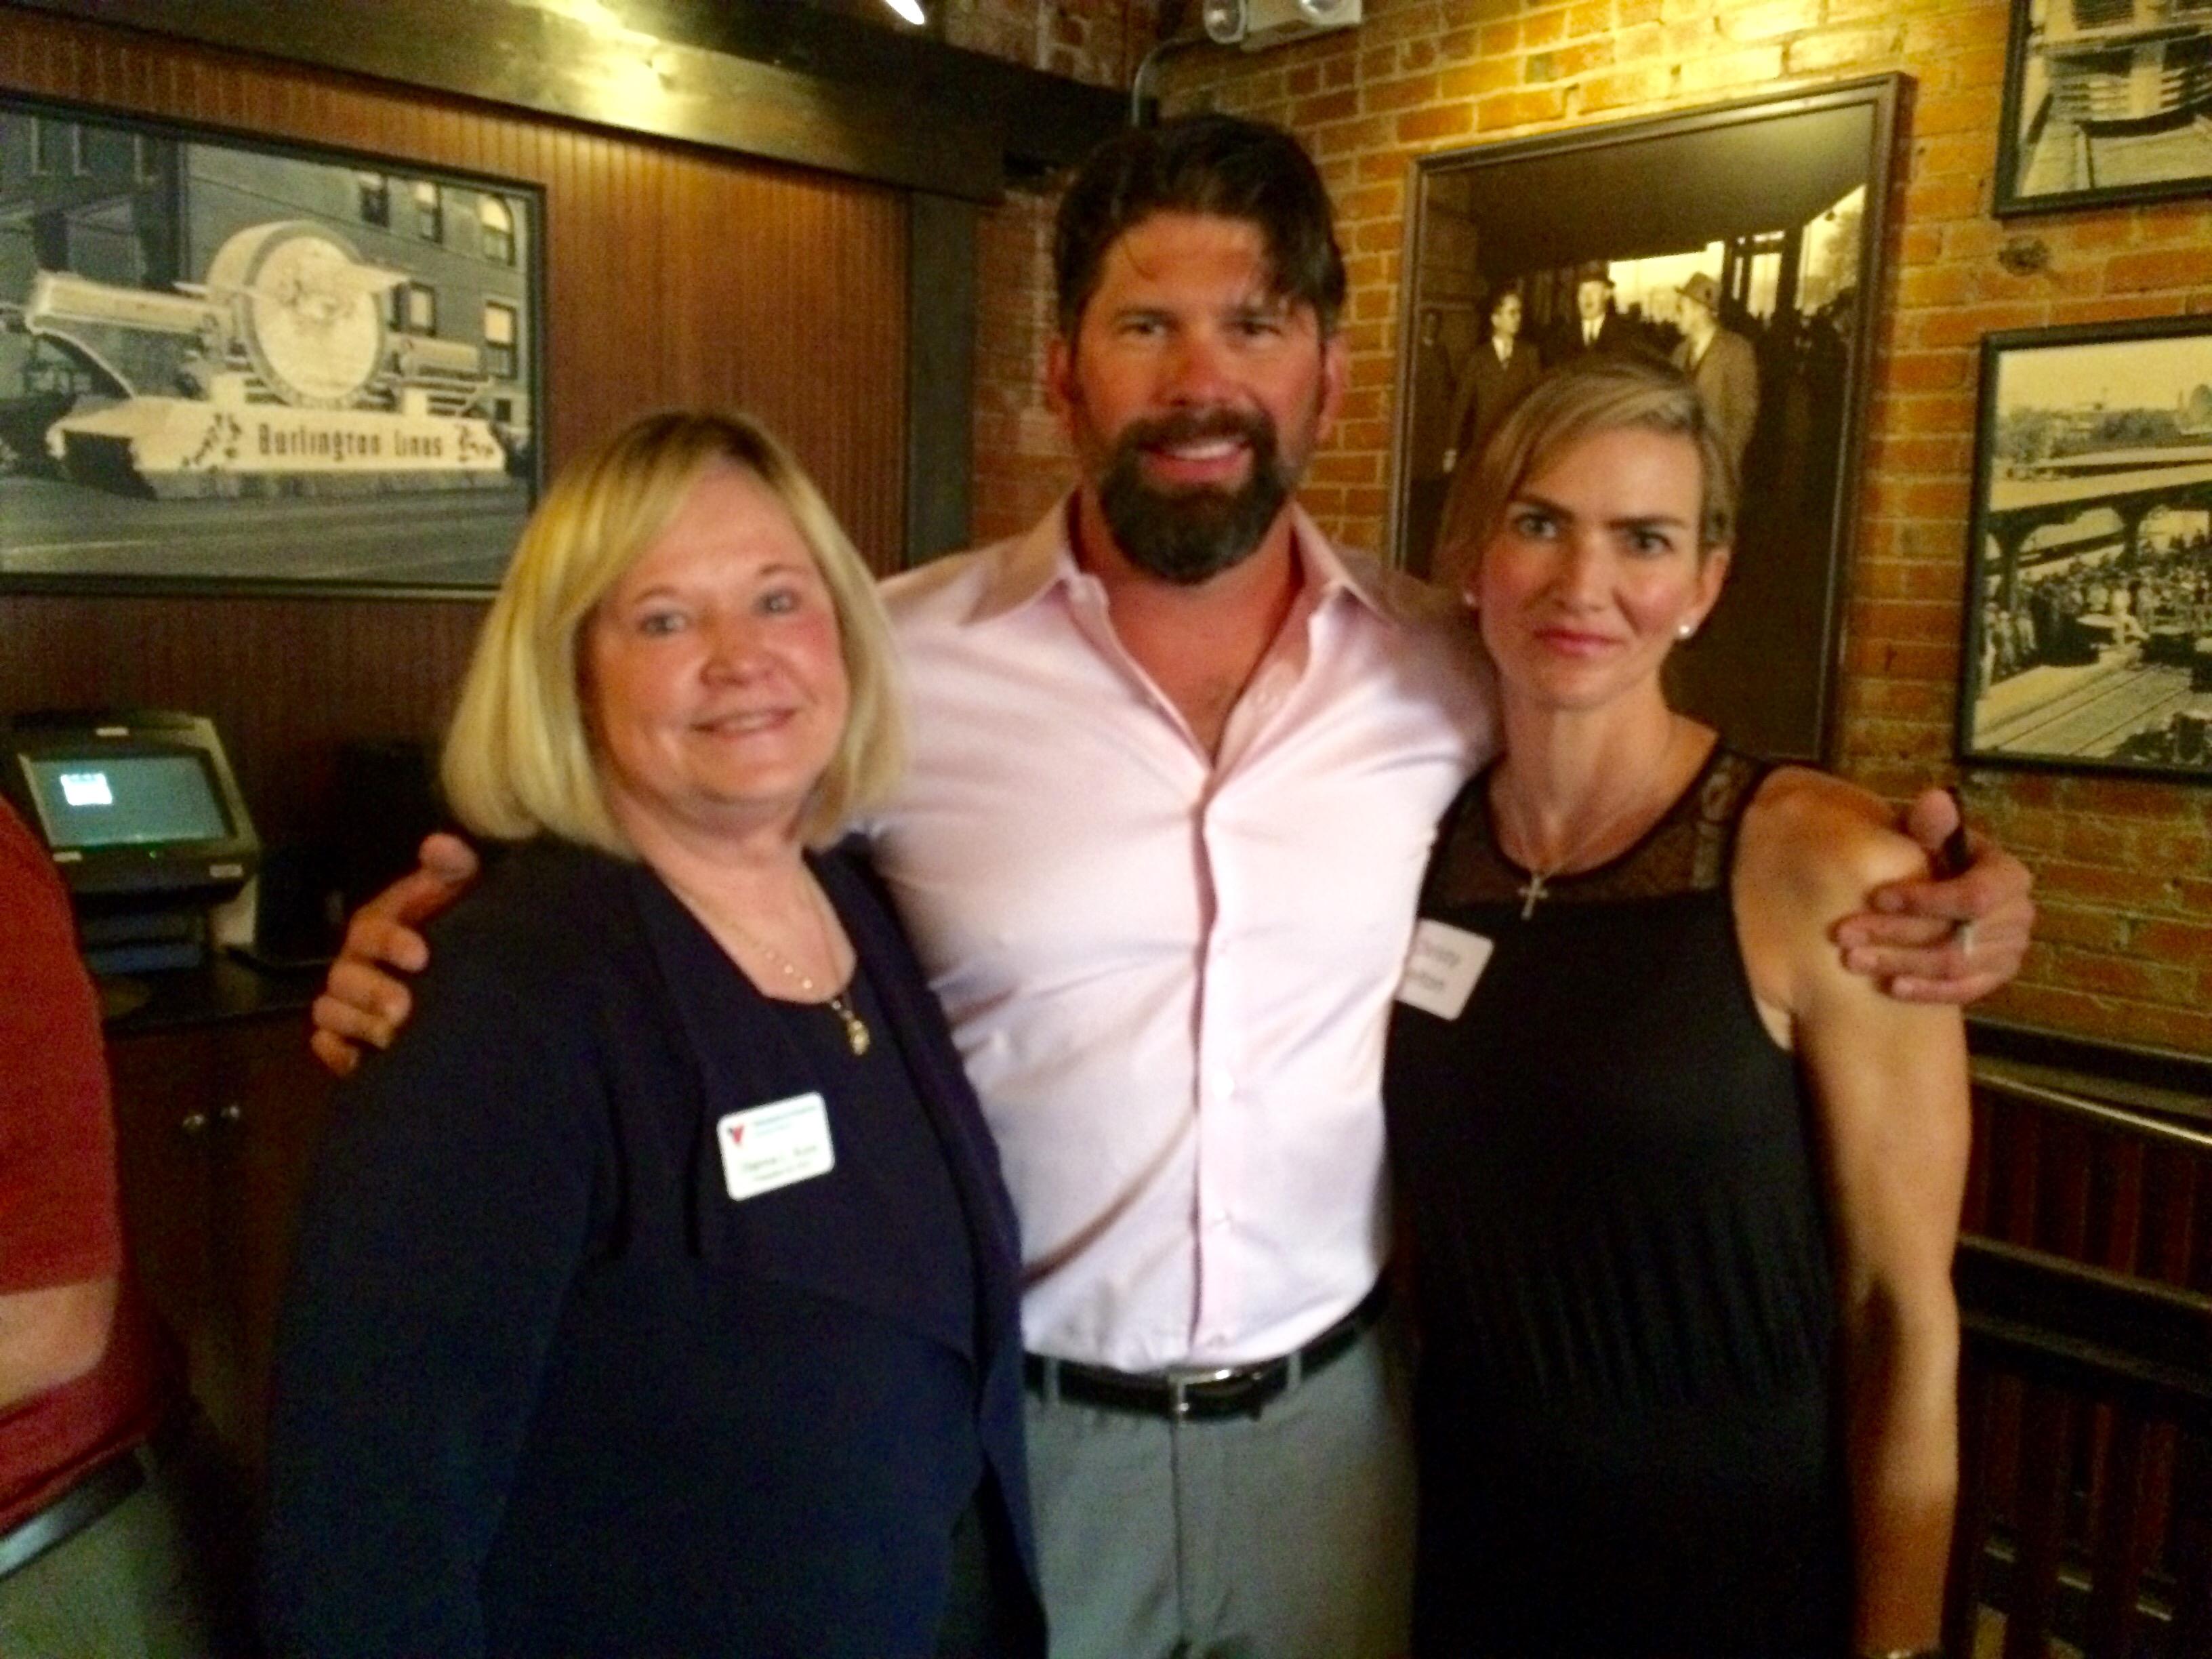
x=909 y=9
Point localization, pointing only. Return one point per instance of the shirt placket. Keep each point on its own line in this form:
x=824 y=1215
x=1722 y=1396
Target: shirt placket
x=1225 y=1077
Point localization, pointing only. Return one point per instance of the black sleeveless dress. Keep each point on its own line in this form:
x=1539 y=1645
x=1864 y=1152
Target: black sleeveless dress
x=1628 y=1424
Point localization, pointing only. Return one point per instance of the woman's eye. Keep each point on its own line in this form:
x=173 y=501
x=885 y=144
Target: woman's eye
x=1532 y=524
x=660 y=622
x=779 y=601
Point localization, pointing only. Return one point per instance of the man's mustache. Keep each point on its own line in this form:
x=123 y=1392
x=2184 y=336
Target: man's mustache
x=1194 y=425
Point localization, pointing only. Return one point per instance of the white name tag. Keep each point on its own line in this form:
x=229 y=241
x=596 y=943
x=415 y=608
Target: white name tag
x=765 y=1147
x=1442 y=968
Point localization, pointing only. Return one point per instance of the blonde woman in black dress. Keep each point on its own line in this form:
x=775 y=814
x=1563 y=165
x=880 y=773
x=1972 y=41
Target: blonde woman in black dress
x=1683 y=1190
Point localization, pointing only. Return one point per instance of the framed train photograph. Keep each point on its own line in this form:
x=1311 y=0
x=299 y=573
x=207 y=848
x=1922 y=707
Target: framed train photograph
x=2088 y=605
x=2105 y=102
x=232 y=364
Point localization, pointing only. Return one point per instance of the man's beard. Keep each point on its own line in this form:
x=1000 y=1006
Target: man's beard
x=1191 y=535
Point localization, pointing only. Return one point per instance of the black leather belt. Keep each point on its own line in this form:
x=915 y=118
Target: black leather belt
x=1199 y=1395
x=72 y=1512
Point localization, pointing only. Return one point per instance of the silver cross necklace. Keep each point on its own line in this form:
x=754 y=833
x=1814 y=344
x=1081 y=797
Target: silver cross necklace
x=1534 y=891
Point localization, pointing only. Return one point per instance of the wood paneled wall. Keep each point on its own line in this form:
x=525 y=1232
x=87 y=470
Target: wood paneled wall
x=674 y=276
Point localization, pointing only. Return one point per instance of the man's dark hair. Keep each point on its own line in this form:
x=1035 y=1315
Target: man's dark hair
x=1220 y=166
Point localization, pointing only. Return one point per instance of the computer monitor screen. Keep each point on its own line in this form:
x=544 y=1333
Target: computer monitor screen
x=133 y=806
x=125 y=801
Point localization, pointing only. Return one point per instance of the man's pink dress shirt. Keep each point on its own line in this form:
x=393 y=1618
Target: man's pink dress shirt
x=1170 y=974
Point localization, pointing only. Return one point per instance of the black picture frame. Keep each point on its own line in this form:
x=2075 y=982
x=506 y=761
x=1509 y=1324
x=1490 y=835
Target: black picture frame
x=234 y=364
x=1780 y=201
x=2105 y=102
x=2088 y=600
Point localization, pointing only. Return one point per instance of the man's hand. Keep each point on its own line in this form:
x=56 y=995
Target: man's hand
x=363 y=1001
x=1952 y=939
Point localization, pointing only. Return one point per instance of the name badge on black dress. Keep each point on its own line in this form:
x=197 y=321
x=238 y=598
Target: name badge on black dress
x=1442 y=968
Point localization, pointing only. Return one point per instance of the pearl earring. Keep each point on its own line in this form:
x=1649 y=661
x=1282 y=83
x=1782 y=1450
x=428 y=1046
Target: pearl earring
x=1685 y=629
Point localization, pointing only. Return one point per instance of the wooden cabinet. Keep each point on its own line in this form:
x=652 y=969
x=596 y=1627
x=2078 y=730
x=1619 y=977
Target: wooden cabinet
x=216 y=1126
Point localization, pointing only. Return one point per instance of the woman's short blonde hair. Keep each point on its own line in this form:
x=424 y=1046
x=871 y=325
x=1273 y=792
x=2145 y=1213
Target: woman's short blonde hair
x=1584 y=398
x=519 y=759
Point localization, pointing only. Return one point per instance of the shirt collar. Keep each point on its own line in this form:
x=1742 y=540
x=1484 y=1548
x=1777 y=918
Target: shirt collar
x=1043 y=559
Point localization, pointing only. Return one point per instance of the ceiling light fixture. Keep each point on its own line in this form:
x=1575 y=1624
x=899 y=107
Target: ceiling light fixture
x=909 y=9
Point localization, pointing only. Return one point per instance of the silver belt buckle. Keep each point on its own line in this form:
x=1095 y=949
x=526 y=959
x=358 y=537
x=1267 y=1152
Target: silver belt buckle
x=1181 y=1382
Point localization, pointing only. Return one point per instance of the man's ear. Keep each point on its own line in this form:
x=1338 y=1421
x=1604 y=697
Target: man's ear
x=1335 y=376
x=1060 y=393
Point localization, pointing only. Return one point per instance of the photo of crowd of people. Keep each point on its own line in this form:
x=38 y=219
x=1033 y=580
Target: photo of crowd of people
x=1680 y=240
x=2092 y=624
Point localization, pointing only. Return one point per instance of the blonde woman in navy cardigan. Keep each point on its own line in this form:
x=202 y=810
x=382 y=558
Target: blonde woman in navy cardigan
x=657 y=1292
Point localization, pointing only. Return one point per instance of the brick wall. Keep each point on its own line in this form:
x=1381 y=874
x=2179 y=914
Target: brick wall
x=2124 y=867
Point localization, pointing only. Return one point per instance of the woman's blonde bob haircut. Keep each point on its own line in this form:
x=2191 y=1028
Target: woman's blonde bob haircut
x=1570 y=404
x=520 y=758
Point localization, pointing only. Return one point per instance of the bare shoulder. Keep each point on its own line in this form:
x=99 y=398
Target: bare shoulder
x=1818 y=845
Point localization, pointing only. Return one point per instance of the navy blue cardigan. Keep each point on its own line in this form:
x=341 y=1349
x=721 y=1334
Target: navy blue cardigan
x=543 y=1388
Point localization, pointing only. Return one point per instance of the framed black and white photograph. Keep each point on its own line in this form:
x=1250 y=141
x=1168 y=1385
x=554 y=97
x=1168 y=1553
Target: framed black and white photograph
x=2088 y=635
x=1743 y=243
x=237 y=365
x=2105 y=100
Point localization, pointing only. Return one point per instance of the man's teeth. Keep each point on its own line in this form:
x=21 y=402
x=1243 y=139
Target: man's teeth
x=1204 y=449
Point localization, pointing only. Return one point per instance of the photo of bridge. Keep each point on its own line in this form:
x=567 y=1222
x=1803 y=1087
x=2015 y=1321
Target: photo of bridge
x=2090 y=629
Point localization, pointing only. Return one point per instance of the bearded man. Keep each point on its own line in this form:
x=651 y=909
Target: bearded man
x=1176 y=764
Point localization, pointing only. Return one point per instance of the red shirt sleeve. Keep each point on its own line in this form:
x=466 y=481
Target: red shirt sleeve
x=58 y=1223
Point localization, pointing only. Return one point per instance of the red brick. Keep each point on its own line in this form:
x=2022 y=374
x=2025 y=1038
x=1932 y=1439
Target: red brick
x=1747 y=66
x=1895 y=579
x=1922 y=244
x=2157 y=267
x=1837 y=49
x=2104 y=231
x=2115 y=309
x=2132 y=890
x=2094 y=841
x=1580 y=58
x=1933 y=33
x=2121 y=976
x=1591 y=17
x=1768 y=19
x=2069 y=924
x=1952 y=111
x=1324 y=106
x=1543 y=28
x=1928 y=370
x=1425 y=126
x=1414 y=90
x=1957 y=152
x=1965 y=325
x=1624 y=87
x=1952 y=197
x=1897 y=621
x=2177 y=942
x=1515 y=109
x=1490 y=75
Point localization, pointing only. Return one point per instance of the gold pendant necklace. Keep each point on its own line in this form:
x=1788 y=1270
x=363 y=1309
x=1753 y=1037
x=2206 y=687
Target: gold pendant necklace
x=1534 y=891
x=857 y=1035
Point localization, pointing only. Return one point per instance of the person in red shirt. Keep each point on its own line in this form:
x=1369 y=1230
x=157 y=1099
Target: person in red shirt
x=96 y=1553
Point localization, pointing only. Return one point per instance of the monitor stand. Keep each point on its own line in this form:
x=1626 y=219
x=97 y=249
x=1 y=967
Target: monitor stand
x=147 y=940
